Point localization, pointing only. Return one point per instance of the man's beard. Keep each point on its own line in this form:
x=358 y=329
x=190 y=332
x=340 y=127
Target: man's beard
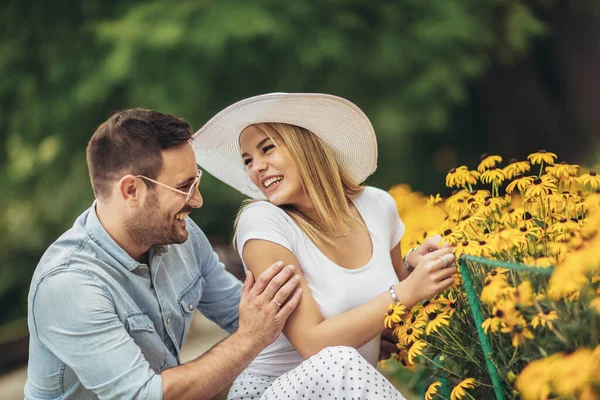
x=151 y=227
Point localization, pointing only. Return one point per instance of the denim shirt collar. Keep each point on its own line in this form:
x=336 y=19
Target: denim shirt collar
x=100 y=236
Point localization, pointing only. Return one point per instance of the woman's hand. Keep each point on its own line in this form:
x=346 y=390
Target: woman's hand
x=429 y=245
x=432 y=275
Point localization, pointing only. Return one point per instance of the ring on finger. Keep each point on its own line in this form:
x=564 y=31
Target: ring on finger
x=276 y=302
x=443 y=258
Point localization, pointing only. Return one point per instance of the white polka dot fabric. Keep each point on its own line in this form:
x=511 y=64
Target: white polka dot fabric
x=338 y=373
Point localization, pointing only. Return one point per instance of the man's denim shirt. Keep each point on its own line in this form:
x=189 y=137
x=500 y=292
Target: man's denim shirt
x=104 y=326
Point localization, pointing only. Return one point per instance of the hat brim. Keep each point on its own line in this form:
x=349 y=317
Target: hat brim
x=336 y=121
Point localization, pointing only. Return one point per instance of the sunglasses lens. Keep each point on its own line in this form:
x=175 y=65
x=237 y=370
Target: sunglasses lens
x=193 y=189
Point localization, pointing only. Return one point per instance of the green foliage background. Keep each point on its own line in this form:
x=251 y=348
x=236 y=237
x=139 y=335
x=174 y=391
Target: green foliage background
x=415 y=67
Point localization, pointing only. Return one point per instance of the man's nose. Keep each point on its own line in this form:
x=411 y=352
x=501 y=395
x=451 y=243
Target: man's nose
x=196 y=201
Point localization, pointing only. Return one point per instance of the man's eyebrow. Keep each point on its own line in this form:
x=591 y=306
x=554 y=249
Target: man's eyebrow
x=187 y=181
x=259 y=145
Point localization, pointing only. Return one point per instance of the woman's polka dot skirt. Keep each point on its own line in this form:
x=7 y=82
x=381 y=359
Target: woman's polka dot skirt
x=338 y=373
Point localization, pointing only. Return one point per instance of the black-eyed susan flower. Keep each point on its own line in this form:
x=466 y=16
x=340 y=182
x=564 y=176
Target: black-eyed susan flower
x=434 y=200
x=432 y=389
x=574 y=371
x=394 y=314
x=436 y=320
x=562 y=227
x=562 y=170
x=460 y=390
x=533 y=383
x=411 y=334
x=542 y=156
x=430 y=306
x=506 y=239
x=468 y=247
x=449 y=304
x=402 y=357
x=457 y=177
x=494 y=290
x=416 y=349
x=493 y=175
x=541 y=186
x=491 y=324
x=515 y=168
x=591 y=178
x=523 y=294
x=472 y=178
x=519 y=331
x=497 y=273
x=520 y=182
x=488 y=162
x=544 y=318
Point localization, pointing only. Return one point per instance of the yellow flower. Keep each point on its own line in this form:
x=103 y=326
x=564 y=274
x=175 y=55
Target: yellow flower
x=493 y=290
x=542 y=156
x=516 y=167
x=562 y=170
x=497 y=273
x=402 y=357
x=523 y=295
x=416 y=349
x=449 y=303
x=430 y=306
x=394 y=314
x=595 y=303
x=541 y=186
x=432 y=389
x=591 y=178
x=434 y=200
x=519 y=330
x=520 y=182
x=435 y=321
x=410 y=335
x=488 y=162
x=492 y=324
x=533 y=382
x=457 y=177
x=562 y=227
x=574 y=371
x=493 y=175
x=544 y=318
x=460 y=390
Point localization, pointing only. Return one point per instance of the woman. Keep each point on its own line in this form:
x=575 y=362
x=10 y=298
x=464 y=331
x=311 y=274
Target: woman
x=306 y=155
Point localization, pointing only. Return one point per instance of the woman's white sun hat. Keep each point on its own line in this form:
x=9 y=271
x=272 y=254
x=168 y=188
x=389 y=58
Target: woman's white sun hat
x=336 y=121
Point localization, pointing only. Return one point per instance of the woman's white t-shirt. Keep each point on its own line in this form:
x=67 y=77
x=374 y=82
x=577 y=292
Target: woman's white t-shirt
x=334 y=288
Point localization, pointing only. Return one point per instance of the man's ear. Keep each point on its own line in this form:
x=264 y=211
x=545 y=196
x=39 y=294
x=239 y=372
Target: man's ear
x=130 y=189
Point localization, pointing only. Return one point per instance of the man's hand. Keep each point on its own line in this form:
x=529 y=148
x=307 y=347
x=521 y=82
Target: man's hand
x=267 y=303
x=388 y=345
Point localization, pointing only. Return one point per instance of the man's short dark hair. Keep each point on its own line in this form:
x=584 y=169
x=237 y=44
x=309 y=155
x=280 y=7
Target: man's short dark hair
x=130 y=142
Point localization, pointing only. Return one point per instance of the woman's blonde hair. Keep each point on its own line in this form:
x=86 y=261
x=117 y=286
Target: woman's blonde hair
x=326 y=184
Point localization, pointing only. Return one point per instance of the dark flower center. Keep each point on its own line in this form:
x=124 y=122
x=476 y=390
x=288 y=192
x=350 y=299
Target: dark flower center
x=492 y=168
x=432 y=316
x=465 y=243
x=470 y=200
x=562 y=220
x=487 y=203
x=542 y=151
x=484 y=156
x=447 y=232
x=482 y=243
x=494 y=273
x=499 y=313
x=537 y=180
x=453 y=170
x=523 y=229
x=390 y=312
x=511 y=210
x=528 y=215
x=518 y=329
x=452 y=305
x=513 y=160
x=592 y=173
x=426 y=303
x=409 y=331
x=466 y=217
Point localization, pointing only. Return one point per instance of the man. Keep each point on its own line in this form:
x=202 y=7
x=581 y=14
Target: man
x=111 y=300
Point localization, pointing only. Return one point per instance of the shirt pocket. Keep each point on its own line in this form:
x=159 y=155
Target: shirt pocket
x=188 y=301
x=142 y=330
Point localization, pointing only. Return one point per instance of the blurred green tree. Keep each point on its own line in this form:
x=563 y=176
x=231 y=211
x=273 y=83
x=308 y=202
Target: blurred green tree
x=67 y=65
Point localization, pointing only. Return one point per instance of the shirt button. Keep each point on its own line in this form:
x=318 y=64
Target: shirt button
x=168 y=321
x=150 y=326
x=191 y=306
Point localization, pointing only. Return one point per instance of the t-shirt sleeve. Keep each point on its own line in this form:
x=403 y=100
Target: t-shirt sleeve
x=265 y=221
x=396 y=226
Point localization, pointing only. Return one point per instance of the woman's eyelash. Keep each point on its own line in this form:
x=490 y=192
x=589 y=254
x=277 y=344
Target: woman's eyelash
x=247 y=161
x=268 y=147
